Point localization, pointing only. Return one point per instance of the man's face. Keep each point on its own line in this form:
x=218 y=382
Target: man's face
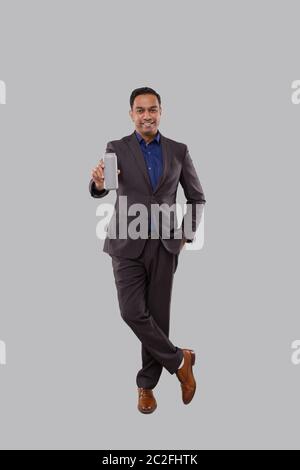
x=146 y=114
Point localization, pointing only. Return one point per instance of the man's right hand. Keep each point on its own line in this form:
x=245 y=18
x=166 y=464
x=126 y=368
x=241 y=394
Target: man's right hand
x=98 y=175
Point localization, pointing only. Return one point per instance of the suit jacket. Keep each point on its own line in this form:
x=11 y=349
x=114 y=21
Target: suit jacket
x=134 y=182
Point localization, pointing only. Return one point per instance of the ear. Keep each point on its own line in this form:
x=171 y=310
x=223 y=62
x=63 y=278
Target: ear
x=130 y=114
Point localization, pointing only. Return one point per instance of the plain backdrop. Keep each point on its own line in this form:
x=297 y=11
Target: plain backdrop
x=224 y=71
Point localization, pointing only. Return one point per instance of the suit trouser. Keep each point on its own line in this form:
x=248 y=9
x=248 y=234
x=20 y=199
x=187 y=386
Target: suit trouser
x=144 y=287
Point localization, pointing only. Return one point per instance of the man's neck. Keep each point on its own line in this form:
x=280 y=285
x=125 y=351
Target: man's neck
x=147 y=138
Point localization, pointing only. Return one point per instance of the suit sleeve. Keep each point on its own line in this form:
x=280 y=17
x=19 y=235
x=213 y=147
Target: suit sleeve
x=194 y=197
x=92 y=188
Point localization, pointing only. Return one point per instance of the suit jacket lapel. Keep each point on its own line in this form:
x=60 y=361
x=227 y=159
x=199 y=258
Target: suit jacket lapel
x=140 y=160
x=165 y=157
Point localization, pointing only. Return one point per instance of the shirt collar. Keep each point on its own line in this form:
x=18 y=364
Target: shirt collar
x=140 y=138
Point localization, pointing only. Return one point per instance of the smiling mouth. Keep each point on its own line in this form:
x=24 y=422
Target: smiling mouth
x=148 y=124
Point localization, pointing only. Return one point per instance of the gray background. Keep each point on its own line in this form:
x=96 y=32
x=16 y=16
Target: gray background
x=224 y=71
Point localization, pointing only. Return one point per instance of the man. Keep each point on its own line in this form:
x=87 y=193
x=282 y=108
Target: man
x=150 y=166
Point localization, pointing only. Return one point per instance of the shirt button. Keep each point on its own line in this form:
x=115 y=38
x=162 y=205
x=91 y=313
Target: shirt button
x=149 y=168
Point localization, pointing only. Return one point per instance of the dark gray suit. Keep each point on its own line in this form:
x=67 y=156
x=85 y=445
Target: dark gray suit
x=144 y=268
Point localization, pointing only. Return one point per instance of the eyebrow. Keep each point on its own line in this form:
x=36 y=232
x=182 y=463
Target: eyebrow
x=140 y=107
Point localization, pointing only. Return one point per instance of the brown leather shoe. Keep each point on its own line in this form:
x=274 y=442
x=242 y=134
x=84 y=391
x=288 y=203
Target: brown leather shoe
x=186 y=376
x=147 y=403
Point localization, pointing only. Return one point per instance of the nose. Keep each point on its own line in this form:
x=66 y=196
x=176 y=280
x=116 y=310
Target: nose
x=147 y=116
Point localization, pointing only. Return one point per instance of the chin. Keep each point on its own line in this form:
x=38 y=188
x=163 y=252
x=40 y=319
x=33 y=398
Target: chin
x=149 y=131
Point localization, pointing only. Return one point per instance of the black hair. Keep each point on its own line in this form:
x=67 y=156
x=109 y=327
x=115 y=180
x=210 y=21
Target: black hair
x=143 y=91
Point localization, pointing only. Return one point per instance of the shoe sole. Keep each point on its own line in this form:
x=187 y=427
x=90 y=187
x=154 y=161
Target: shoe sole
x=193 y=357
x=192 y=364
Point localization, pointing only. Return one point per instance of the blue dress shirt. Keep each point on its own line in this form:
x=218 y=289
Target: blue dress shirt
x=153 y=157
